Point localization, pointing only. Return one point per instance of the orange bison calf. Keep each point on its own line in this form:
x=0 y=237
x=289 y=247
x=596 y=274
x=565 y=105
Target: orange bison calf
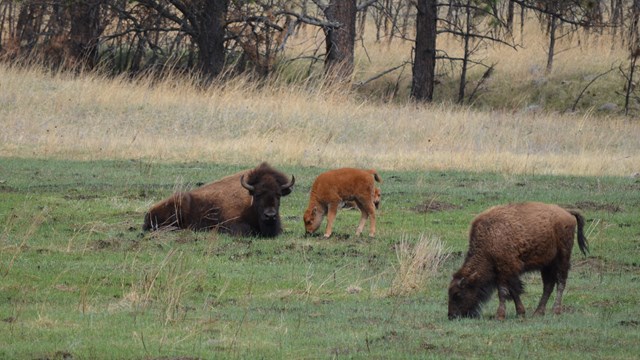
x=506 y=241
x=334 y=187
x=246 y=203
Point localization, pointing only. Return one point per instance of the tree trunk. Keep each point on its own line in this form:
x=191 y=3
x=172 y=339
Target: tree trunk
x=634 y=50
x=209 y=24
x=522 y=17
x=552 y=42
x=27 y=28
x=85 y=32
x=424 y=62
x=510 y=16
x=465 y=58
x=340 y=42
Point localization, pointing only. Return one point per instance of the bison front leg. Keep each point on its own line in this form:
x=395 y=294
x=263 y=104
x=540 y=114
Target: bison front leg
x=331 y=216
x=519 y=306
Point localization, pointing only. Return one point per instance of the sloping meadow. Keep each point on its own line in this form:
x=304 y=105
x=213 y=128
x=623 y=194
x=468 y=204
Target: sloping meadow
x=79 y=279
x=90 y=117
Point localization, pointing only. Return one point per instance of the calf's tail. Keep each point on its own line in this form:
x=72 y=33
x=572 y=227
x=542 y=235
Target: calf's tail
x=582 y=240
x=375 y=175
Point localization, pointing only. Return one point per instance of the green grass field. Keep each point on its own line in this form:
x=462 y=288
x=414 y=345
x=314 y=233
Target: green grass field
x=79 y=279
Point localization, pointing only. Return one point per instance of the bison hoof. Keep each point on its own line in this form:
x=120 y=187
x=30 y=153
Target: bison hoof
x=326 y=236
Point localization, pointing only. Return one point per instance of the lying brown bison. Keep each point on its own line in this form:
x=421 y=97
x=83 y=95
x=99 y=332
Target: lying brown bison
x=246 y=203
x=334 y=187
x=506 y=241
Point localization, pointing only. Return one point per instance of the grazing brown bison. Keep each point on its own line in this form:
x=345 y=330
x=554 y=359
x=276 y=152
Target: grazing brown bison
x=506 y=241
x=246 y=203
x=337 y=186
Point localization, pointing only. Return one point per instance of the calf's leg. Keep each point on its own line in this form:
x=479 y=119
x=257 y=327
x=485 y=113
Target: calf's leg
x=367 y=210
x=363 y=219
x=331 y=216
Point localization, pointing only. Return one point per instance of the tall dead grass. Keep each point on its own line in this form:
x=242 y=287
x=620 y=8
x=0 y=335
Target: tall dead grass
x=417 y=263
x=91 y=117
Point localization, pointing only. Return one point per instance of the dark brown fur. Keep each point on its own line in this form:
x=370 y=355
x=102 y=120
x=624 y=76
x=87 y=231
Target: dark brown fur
x=506 y=241
x=246 y=203
x=334 y=187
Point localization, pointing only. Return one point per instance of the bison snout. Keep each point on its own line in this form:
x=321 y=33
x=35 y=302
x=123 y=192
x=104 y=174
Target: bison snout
x=270 y=214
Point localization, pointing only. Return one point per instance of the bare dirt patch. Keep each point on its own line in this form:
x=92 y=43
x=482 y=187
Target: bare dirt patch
x=107 y=244
x=593 y=206
x=630 y=323
x=431 y=206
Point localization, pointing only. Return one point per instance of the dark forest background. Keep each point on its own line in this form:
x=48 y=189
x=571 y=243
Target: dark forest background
x=217 y=39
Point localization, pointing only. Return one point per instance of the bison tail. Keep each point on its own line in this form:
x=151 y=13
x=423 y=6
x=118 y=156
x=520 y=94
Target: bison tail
x=375 y=175
x=582 y=240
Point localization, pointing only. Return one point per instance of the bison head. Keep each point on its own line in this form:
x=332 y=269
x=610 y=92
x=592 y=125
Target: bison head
x=266 y=188
x=466 y=296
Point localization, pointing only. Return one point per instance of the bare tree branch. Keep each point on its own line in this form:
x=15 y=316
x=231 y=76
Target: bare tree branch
x=575 y=103
x=375 y=77
x=366 y=4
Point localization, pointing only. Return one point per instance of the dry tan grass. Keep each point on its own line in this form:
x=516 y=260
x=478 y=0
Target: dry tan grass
x=417 y=263
x=90 y=117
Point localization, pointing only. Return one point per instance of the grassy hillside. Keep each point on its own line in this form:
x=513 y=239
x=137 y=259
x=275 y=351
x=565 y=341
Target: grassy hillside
x=80 y=279
x=89 y=117
x=83 y=157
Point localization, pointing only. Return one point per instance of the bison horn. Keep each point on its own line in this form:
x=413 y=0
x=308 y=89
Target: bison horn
x=245 y=185
x=289 y=184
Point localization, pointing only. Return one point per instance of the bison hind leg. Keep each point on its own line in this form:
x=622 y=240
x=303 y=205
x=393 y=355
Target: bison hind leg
x=549 y=280
x=367 y=211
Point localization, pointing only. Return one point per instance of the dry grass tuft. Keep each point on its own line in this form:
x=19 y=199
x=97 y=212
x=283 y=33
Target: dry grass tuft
x=417 y=264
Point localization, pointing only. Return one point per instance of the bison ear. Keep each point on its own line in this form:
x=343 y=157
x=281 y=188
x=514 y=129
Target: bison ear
x=462 y=282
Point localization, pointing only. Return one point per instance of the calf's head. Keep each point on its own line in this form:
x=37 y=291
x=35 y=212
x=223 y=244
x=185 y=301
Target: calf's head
x=313 y=218
x=266 y=191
